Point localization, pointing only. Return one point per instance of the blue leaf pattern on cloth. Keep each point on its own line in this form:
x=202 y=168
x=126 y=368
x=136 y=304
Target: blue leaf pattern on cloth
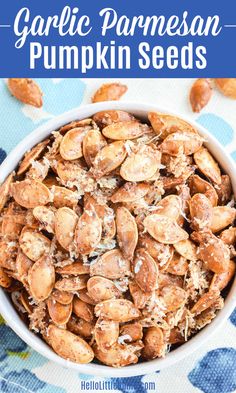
x=10 y=342
x=3 y=155
x=232 y=317
x=20 y=382
x=216 y=372
x=2 y=352
x=234 y=155
x=58 y=98
x=217 y=127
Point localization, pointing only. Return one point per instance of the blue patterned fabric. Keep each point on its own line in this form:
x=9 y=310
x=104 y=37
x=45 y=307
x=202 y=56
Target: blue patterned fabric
x=212 y=368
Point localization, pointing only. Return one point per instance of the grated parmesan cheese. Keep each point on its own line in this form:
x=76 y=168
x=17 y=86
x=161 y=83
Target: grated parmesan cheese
x=126 y=337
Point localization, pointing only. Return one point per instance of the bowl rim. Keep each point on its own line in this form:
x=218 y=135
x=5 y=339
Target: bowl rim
x=7 y=310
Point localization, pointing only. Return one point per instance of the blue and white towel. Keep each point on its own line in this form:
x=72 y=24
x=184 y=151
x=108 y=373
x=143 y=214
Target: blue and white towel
x=212 y=369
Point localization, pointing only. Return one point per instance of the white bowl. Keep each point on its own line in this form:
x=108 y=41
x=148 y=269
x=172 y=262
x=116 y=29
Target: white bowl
x=8 y=311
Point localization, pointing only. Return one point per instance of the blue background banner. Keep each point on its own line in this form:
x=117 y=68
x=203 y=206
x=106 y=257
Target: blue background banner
x=162 y=55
